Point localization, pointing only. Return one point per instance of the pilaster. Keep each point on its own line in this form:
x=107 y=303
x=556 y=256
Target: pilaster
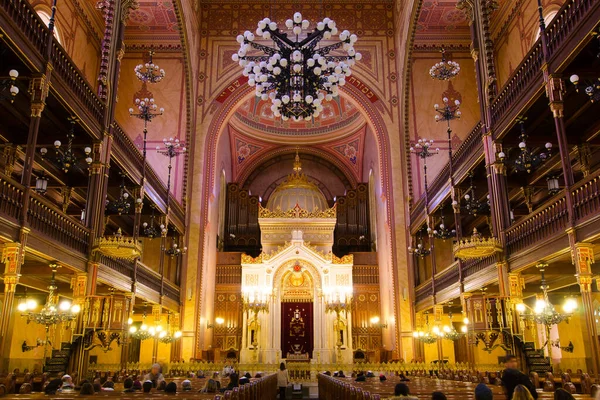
x=12 y=257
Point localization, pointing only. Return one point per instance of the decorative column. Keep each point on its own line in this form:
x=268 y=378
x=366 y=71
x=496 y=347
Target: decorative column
x=516 y=283
x=438 y=312
x=79 y=284
x=582 y=255
x=156 y=309
x=12 y=257
x=467 y=312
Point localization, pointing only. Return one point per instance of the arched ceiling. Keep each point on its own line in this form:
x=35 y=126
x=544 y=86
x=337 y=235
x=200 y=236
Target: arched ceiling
x=338 y=117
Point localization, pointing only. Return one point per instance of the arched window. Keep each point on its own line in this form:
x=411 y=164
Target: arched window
x=547 y=19
x=45 y=17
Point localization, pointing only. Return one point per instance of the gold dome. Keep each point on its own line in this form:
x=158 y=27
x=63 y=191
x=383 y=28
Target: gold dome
x=296 y=189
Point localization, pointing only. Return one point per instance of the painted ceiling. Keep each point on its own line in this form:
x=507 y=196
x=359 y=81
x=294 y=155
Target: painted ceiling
x=338 y=115
x=441 y=23
x=153 y=22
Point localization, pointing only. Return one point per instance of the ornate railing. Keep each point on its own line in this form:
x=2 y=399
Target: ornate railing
x=46 y=218
x=540 y=225
x=123 y=267
x=447 y=277
x=229 y=275
x=148 y=277
x=11 y=199
x=365 y=274
x=565 y=22
x=473 y=266
x=74 y=79
x=586 y=198
x=423 y=292
x=28 y=22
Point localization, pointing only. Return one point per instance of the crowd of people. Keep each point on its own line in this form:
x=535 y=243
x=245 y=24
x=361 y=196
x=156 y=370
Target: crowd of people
x=151 y=382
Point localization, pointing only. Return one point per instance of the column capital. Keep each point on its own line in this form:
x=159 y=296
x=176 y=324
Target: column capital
x=38 y=89
x=516 y=284
x=12 y=257
x=79 y=285
x=585 y=283
x=557 y=109
x=503 y=282
x=582 y=255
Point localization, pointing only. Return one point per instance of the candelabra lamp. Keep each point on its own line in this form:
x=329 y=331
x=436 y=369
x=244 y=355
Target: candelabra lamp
x=423 y=150
x=442 y=232
x=122 y=204
x=427 y=335
x=471 y=205
x=175 y=250
x=338 y=300
x=169 y=334
x=149 y=72
x=420 y=251
x=255 y=300
x=447 y=112
x=527 y=160
x=149 y=229
x=147 y=110
x=590 y=87
x=476 y=246
x=295 y=73
x=53 y=312
x=144 y=332
x=444 y=70
x=8 y=87
x=65 y=156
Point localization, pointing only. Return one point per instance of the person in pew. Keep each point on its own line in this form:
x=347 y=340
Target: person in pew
x=87 y=389
x=244 y=380
x=215 y=377
x=186 y=385
x=25 y=388
x=282 y=380
x=171 y=388
x=382 y=378
x=67 y=384
x=483 y=392
x=2 y=389
x=370 y=374
x=521 y=392
x=109 y=386
x=97 y=387
x=401 y=392
x=161 y=386
x=128 y=386
x=210 y=387
x=155 y=375
x=341 y=374
x=511 y=377
x=403 y=377
x=53 y=386
x=438 y=396
x=147 y=387
x=233 y=382
x=137 y=385
x=562 y=394
x=328 y=373
x=360 y=377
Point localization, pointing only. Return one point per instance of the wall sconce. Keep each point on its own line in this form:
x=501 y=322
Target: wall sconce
x=218 y=321
x=376 y=321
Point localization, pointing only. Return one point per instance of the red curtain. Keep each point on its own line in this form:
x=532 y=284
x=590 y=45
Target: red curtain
x=297 y=328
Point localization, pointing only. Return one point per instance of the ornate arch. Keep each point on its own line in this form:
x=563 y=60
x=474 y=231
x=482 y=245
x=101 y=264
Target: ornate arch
x=282 y=269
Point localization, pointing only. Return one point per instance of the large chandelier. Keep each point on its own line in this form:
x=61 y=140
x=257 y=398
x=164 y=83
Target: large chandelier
x=149 y=72
x=256 y=300
x=338 y=299
x=427 y=335
x=119 y=246
x=295 y=74
x=527 y=160
x=122 y=204
x=471 y=204
x=66 y=157
x=442 y=232
x=476 y=246
x=544 y=312
x=52 y=313
x=444 y=70
x=420 y=251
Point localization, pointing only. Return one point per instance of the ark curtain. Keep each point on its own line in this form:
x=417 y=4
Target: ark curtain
x=297 y=328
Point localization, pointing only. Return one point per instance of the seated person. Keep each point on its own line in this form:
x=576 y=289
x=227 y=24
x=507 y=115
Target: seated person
x=438 y=396
x=361 y=377
x=147 y=386
x=244 y=380
x=171 y=388
x=370 y=374
x=128 y=386
x=341 y=374
x=67 y=383
x=109 y=386
x=209 y=387
x=137 y=385
x=401 y=392
x=25 y=388
x=155 y=376
x=382 y=378
x=186 y=385
x=233 y=382
x=482 y=392
x=161 y=386
x=87 y=389
x=53 y=386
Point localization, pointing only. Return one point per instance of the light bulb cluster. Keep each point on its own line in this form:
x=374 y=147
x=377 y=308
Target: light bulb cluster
x=448 y=112
x=149 y=72
x=66 y=157
x=9 y=83
x=444 y=70
x=527 y=160
x=158 y=332
x=293 y=74
x=147 y=109
x=422 y=148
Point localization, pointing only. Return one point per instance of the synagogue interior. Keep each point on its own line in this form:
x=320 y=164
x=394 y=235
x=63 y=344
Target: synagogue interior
x=283 y=199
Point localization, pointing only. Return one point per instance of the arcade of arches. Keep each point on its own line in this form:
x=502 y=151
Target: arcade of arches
x=210 y=231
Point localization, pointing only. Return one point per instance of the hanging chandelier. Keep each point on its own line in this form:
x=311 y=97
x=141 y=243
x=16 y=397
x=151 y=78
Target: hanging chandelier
x=175 y=250
x=444 y=70
x=471 y=205
x=149 y=72
x=52 y=313
x=427 y=335
x=442 y=232
x=168 y=335
x=449 y=332
x=476 y=246
x=122 y=204
x=420 y=251
x=8 y=83
x=66 y=158
x=295 y=74
x=144 y=332
x=544 y=312
x=527 y=161
x=150 y=230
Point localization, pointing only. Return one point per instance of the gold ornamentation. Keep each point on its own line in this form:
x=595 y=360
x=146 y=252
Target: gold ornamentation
x=126 y=7
x=119 y=246
x=347 y=259
x=582 y=256
x=296 y=212
x=476 y=247
x=12 y=257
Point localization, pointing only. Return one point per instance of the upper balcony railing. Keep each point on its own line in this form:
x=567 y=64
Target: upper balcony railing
x=586 y=198
x=28 y=22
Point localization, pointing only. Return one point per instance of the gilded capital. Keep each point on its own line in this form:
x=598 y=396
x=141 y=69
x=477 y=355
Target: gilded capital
x=582 y=255
x=557 y=109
